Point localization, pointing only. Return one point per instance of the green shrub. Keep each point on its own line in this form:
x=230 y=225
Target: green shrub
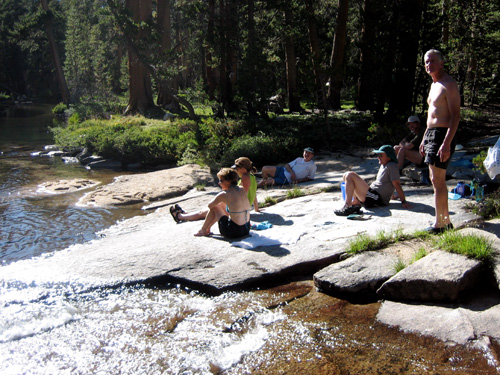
x=489 y=207
x=478 y=162
x=59 y=109
x=129 y=139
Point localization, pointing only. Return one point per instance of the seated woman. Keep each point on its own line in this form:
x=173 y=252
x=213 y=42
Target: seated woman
x=230 y=208
x=243 y=166
x=245 y=169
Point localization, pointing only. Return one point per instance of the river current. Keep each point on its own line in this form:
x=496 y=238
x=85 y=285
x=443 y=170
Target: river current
x=69 y=328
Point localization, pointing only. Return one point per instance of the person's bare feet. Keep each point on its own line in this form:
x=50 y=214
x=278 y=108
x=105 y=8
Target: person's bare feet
x=266 y=182
x=203 y=234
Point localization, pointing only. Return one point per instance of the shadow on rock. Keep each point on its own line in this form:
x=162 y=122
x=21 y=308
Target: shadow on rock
x=274 y=219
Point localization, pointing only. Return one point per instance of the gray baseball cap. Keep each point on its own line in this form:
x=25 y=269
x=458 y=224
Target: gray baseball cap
x=413 y=119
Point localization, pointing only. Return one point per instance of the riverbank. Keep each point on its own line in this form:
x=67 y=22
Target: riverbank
x=306 y=237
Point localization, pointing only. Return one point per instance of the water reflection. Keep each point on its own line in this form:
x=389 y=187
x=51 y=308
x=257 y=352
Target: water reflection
x=33 y=223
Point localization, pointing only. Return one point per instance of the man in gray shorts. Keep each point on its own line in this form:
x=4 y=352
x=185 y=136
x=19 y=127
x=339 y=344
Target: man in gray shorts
x=438 y=144
x=358 y=192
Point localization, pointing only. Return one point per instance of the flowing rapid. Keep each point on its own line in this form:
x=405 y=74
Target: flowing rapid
x=72 y=328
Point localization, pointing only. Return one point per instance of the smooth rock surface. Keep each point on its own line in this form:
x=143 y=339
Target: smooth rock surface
x=147 y=187
x=359 y=274
x=460 y=323
x=439 y=276
x=154 y=248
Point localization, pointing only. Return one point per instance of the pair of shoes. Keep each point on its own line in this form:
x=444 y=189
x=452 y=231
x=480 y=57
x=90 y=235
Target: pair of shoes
x=348 y=210
x=175 y=211
x=434 y=230
x=178 y=208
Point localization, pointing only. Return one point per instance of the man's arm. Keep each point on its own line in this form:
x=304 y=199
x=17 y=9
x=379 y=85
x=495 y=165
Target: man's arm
x=453 y=103
x=289 y=168
x=401 y=194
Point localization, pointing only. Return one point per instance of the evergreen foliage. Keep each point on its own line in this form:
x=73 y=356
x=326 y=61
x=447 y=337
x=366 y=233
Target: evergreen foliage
x=232 y=56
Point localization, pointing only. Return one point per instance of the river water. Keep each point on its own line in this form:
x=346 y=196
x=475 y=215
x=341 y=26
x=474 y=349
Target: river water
x=69 y=328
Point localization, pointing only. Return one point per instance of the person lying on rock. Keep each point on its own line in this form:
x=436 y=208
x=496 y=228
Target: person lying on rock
x=300 y=170
x=358 y=192
x=230 y=208
x=409 y=147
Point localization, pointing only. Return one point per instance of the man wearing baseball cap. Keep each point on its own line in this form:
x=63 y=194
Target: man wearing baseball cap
x=300 y=170
x=409 y=146
x=358 y=192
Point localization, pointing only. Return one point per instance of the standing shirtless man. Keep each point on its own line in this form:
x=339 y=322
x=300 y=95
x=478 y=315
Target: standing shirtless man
x=438 y=144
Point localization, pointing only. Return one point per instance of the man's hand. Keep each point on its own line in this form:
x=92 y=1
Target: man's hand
x=444 y=152
x=405 y=204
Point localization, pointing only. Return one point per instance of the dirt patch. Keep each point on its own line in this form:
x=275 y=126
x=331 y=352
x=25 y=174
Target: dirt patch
x=406 y=250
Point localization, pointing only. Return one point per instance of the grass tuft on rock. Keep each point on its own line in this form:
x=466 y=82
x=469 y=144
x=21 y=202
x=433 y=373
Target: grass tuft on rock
x=381 y=240
x=294 y=193
x=471 y=246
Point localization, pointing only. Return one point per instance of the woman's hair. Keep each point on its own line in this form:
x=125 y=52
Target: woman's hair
x=228 y=174
x=246 y=163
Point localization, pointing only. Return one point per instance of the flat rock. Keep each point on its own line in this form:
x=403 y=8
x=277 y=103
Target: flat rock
x=147 y=187
x=361 y=274
x=66 y=186
x=460 y=323
x=493 y=238
x=436 y=277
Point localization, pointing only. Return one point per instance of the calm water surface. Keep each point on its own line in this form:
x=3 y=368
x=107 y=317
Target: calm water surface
x=70 y=328
x=34 y=223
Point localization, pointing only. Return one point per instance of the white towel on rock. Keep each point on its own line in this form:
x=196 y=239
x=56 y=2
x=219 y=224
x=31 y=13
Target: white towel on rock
x=275 y=238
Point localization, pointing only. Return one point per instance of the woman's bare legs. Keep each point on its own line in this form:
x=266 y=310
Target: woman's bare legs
x=193 y=216
x=213 y=216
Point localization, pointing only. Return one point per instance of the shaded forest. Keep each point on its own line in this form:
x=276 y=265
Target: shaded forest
x=246 y=56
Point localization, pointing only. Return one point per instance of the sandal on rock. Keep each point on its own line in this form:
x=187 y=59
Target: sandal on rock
x=175 y=214
x=178 y=208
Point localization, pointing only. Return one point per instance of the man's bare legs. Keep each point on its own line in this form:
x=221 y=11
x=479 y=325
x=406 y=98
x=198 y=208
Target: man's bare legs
x=212 y=217
x=268 y=173
x=355 y=187
x=412 y=155
x=438 y=178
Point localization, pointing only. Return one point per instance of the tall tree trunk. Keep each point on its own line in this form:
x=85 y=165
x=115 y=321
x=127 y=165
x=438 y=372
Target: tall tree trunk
x=49 y=29
x=401 y=90
x=140 y=90
x=337 y=57
x=165 y=98
x=446 y=26
x=315 y=55
x=231 y=31
x=366 y=90
x=228 y=72
x=291 y=66
x=251 y=60
x=210 y=81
